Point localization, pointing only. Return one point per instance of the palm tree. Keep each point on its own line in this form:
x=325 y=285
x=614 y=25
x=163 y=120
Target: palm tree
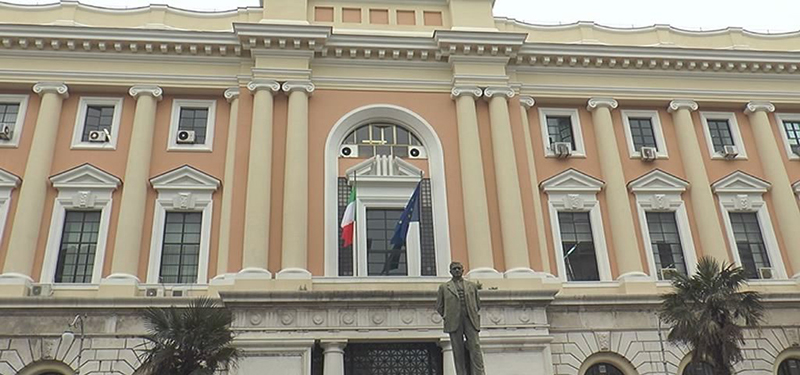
x=192 y=340
x=707 y=310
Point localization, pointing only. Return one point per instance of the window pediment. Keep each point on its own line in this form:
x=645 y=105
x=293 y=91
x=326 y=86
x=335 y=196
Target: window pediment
x=85 y=176
x=8 y=180
x=740 y=183
x=384 y=168
x=185 y=178
x=572 y=180
x=657 y=181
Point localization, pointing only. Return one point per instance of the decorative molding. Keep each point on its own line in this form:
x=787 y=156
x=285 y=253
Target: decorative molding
x=258 y=84
x=679 y=104
x=572 y=180
x=151 y=90
x=492 y=91
x=595 y=103
x=58 y=88
x=231 y=94
x=755 y=106
x=306 y=86
x=85 y=176
x=658 y=181
x=185 y=178
x=527 y=101
x=8 y=180
x=473 y=91
x=740 y=182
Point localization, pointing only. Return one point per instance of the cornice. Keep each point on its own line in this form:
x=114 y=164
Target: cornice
x=231 y=94
x=58 y=88
x=473 y=91
x=259 y=35
x=258 y=84
x=291 y=86
x=151 y=90
x=595 y=103
x=527 y=101
x=755 y=106
x=492 y=91
x=679 y=104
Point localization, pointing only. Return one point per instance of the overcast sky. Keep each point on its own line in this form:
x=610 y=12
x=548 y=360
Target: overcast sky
x=772 y=16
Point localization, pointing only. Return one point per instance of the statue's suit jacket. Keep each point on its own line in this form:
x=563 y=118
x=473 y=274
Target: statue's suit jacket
x=449 y=306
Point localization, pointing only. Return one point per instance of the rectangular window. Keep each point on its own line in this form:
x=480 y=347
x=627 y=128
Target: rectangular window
x=749 y=242
x=78 y=247
x=721 y=135
x=559 y=129
x=793 y=135
x=98 y=118
x=642 y=133
x=382 y=259
x=577 y=244
x=195 y=119
x=666 y=242
x=181 y=252
x=8 y=115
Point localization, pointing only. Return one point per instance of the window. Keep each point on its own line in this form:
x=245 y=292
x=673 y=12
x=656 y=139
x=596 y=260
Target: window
x=749 y=243
x=577 y=245
x=643 y=129
x=12 y=118
x=382 y=258
x=181 y=251
x=384 y=139
x=8 y=182
x=603 y=369
x=78 y=247
x=789 y=125
x=722 y=129
x=665 y=241
x=698 y=368
x=192 y=126
x=561 y=125
x=97 y=123
x=790 y=366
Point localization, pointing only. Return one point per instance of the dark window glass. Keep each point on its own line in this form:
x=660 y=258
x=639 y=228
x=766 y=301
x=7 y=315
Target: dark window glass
x=8 y=114
x=345 y=253
x=317 y=360
x=749 y=242
x=790 y=366
x=78 y=247
x=577 y=245
x=642 y=133
x=98 y=117
x=180 y=253
x=382 y=259
x=721 y=135
x=382 y=139
x=666 y=242
x=698 y=368
x=393 y=359
x=793 y=135
x=603 y=369
x=194 y=119
x=559 y=129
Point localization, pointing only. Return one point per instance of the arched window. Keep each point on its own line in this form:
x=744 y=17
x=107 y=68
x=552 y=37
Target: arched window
x=603 y=368
x=698 y=368
x=790 y=366
x=382 y=138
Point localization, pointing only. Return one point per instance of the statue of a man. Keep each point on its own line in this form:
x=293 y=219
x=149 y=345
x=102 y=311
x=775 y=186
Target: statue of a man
x=458 y=304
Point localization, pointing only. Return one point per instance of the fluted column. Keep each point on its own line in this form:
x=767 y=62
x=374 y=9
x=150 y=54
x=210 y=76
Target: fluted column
x=128 y=243
x=232 y=96
x=541 y=238
x=786 y=210
x=259 y=181
x=295 y=184
x=704 y=206
x=509 y=197
x=473 y=184
x=333 y=357
x=28 y=217
x=624 y=243
x=447 y=357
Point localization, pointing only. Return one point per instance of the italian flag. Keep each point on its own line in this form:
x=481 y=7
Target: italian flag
x=349 y=219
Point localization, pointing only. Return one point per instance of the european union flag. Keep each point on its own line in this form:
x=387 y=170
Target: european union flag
x=410 y=214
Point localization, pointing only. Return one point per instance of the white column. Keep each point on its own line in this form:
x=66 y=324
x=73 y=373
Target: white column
x=232 y=95
x=333 y=357
x=447 y=357
x=294 y=257
x=28 y=217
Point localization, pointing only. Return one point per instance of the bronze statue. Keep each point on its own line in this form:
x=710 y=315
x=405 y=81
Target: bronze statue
x=458 y=304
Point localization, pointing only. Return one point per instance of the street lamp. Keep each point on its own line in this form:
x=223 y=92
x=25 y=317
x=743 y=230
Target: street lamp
x=68 y=336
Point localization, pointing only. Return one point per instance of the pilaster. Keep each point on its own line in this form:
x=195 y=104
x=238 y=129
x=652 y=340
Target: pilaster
x=232 y=96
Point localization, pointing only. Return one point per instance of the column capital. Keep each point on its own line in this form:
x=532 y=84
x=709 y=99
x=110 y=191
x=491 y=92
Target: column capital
x=473 y=91
x=58 y=88
x=595 y=103
x=492 y=91
x=335 y=346
x=756 y=105
x=262 y=84
x=527 y=101
x=291 y=86
x=152 y=90
x=231 y=94
x=679 y=104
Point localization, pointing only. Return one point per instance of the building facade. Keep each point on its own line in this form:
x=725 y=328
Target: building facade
x=152 y=155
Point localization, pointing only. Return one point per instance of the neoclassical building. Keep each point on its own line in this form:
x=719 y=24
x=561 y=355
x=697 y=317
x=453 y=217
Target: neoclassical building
x=152 y=155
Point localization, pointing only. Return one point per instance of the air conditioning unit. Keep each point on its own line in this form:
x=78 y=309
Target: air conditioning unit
x=649 y=153
x=99 y=136
x=766 y=273
x=348 y=151
x=730 y=152
x=417 y=152
x=6 y=133
x=185 y=136
x=154 y=292
x=668 y=273
x=42 y=290
x=561 y=149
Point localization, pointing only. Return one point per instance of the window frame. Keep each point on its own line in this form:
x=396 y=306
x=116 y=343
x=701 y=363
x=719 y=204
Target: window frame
x=22 y=100
x=735 y=133
x=80 y=123
x=177 y=104
x=658 y=133
x=779 y=119
x=577 y=134
x=8 y=182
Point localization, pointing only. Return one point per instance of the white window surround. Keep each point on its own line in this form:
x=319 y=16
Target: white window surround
x=8 y=182
x=184 y=189
x=80 y=122
x=575 y=191
x=23 y=110
x=658 y=133
x=177 y=104
x=433 y=147
x=779 y=119
x=741 y=192
x=577 y=133
x=735 y=132
x=85 y=187
x=659 y=191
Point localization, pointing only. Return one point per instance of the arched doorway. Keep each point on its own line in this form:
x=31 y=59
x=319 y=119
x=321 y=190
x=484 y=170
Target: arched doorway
x=603 y=368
